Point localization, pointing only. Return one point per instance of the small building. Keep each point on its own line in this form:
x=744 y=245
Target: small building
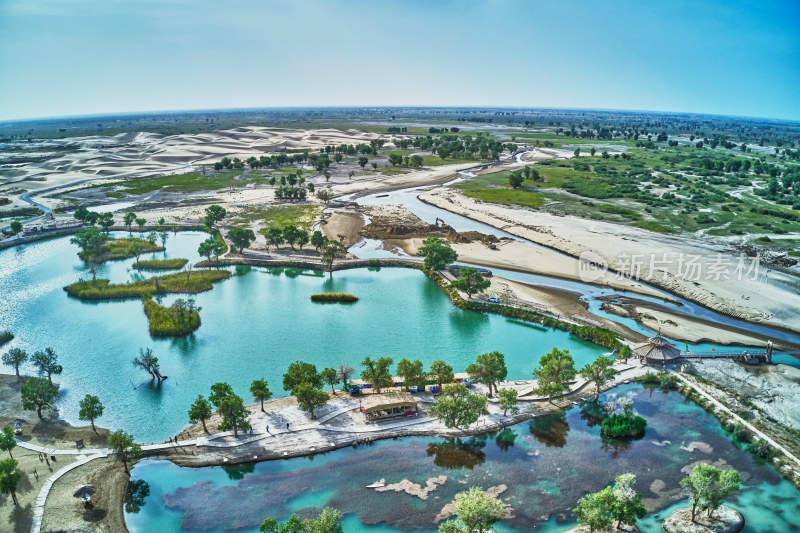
x=657 y=351
x=4 y=201
x=388 y=405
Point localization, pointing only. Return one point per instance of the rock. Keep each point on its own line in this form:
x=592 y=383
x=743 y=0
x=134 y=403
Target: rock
x=724 y=520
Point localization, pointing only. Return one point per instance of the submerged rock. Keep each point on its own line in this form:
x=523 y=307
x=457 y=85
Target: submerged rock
x=724 y=520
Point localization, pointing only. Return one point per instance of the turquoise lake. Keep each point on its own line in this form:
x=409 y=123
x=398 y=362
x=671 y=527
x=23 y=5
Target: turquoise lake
x=253 y=325
x=546 y=465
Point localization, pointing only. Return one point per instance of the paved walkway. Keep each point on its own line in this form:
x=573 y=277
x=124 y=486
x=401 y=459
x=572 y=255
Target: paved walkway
x=739 y=419
x=38 y=508
x=56 y=451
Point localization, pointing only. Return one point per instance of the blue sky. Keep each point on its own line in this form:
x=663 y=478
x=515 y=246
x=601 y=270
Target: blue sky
x=73 y=57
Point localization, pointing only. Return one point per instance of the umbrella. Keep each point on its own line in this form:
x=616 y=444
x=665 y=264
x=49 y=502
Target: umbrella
x=84 y=492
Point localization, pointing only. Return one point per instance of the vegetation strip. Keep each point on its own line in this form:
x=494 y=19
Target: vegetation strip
x=160 y=264
x=179 y=283
x=334 y=297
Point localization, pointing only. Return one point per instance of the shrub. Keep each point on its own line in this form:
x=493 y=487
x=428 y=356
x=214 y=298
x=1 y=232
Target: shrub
x=623 y=426
x=761 y=448
x=5 y=336
x=668 y=382
x=160 y=264
x=333 y=297
x=191 y=283
x=650 y=378
x=373 y=263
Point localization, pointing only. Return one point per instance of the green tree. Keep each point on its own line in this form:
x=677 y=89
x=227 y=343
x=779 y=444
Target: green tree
x=515 y=179
x=241 y=237
x=234 y=414
x=437 y=253
x=38 y=394
x=600 y=371
x=89 y=239
x=274 y=237
x=301 y=372
x=210 y=247
x=508 y=401
x=363 y=161
x=331 y=251
x=214 y=214
x=90 y=408
x=16 y=227
x=395 y=159
x=200 y=411
x=329 y=521
x=477 y=513
x=577 y=152
x=141 y=222
x=596 y=510
x=260 y=391
x=218 y=392
x=317 y=240
x=458 y=408
x=81 y=213
x=149 y=363
x=330 y=376
x=489 y=369
x=470 y=281
x=441 y=372
x=15 y=357
x=126 y=449
x=417 y=161
x=555 y=371
x=377 y=372
x=7 y=440
x=106 y=220
x=291 y=235
x=708 y=487
x=302 y=238
x=309 y=398
x=128 y=219
x=9 y=478
x=412 y=372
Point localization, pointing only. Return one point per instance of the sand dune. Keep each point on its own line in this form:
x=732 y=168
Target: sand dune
x=141 y=154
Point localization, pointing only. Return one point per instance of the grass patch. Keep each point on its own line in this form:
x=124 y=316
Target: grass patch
x=301 y=216
x=6 y=337
x=117 y=249
x=160 y=264
x=170 y=321
x=178 y=283
x=187 y=183
x=334 y=297
x=652 y=225
x=507 y=197
x=394 y=171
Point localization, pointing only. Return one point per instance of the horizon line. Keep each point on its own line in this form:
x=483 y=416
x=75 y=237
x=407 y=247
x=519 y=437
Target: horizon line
x=385 y=106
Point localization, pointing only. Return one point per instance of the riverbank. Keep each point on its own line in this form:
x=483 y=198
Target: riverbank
x=768 y=296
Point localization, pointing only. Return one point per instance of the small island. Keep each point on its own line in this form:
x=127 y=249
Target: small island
x=181 y=318
x=625 y=425
x=178 y=283
x=160 y=264
x=724 y=520
x=331 y=297
x=98 y=247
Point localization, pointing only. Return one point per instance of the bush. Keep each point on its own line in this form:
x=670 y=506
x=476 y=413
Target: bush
x=169 y=321
x=668 y=382
x=761 y=448
x=333 y=297
x=650 y=378
x=373 y=262
x=623 y=426
x=192 y=283
x=160 y=264
x=5 y=336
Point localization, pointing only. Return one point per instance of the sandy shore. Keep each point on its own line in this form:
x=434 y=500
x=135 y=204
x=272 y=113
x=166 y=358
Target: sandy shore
x=773 y=298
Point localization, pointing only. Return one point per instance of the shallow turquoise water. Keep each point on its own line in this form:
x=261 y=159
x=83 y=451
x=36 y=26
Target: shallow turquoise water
x=253 y=325
x=546 y=465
